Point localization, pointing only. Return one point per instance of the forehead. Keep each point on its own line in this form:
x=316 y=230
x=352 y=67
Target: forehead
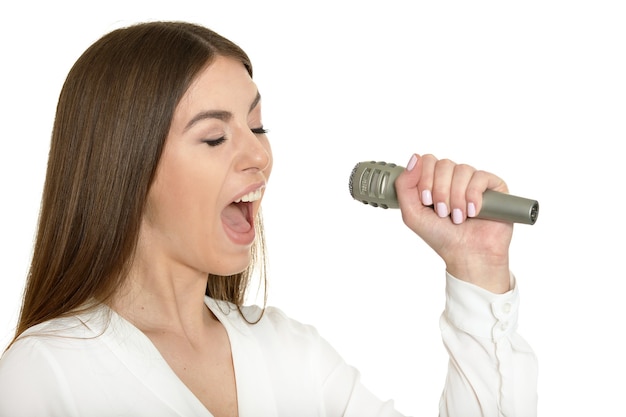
x=224 y=82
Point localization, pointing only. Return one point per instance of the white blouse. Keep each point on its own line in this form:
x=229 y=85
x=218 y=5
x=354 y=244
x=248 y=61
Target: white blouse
x=98 y=364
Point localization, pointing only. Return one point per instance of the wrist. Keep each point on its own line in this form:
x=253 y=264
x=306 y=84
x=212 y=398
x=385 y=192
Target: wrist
x=491 y=274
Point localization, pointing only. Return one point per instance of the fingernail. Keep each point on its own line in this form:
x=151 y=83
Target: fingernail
x=411 y=163
x=457 y=216
x=471 y=210
x=427 y=198
x=442 y=209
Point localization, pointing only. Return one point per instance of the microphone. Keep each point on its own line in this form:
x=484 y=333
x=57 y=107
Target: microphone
x=373 y=183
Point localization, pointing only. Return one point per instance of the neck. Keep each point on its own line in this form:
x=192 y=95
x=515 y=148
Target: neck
x=159 y=298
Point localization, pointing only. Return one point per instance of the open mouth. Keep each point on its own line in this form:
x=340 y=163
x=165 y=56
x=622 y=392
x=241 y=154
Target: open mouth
x=238 y=216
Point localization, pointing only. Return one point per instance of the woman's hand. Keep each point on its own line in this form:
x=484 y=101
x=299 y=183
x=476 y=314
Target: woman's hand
x=474 y=250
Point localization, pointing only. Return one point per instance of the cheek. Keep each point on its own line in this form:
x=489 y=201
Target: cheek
x=165 y=207
x=180 y=217
x=177 y=195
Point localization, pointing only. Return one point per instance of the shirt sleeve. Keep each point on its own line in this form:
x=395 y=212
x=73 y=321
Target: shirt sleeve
x=492 y=371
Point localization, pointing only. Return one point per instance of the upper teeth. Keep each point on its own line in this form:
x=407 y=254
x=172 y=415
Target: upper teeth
x=251 y=196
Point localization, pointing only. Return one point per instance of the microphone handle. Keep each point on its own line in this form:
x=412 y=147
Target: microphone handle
x=508 y=208
x=373 y=183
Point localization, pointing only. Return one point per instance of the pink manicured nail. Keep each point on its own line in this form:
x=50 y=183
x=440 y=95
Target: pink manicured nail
x=442 y=209
x=427 y=198
x=457 y=216
x=471 y=210
x=412 y=163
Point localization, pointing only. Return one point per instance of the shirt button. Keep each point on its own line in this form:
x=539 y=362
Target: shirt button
x=504 y=326
x=506 y=308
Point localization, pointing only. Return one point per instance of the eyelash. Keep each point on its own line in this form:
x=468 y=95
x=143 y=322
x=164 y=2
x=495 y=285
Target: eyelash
x=217 y=142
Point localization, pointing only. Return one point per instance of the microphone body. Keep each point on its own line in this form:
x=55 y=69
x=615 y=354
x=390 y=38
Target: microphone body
x=373 y=183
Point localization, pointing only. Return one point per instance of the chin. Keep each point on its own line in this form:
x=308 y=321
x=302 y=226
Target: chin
x=236 y=267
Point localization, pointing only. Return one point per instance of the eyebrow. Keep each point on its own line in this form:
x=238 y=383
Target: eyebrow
x=219 y=114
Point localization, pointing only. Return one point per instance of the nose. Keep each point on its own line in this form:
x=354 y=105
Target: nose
x=255 y=152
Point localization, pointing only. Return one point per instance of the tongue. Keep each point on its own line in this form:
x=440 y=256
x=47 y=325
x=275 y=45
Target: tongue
x=234 y=217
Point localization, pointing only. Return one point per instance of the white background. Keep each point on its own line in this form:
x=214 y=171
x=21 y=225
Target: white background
x=534 y=91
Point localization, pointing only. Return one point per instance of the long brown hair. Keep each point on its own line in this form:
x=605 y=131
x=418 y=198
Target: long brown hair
x=112 y=119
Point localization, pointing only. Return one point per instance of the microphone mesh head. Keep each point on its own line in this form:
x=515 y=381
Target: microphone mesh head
x=372 y=183
x=351 y=183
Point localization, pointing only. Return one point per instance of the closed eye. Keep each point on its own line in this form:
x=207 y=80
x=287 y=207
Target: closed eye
x=215 y=142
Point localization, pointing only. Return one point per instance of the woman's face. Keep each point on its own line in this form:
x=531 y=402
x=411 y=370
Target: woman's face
x=211 y=176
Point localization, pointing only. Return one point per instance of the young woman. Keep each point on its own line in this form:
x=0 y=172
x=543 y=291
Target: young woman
x=150 y=230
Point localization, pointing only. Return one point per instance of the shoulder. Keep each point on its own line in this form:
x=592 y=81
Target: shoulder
x=59 y=333
x=266 y=320
x=63 y=366
x=270 y=328
x=42 y=357
x=281 y=345
x=35 y=363
x=62 y=333
x=277 y=322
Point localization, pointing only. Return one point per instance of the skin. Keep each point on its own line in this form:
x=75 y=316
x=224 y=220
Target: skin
x=475 y=251
x=184 y=235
